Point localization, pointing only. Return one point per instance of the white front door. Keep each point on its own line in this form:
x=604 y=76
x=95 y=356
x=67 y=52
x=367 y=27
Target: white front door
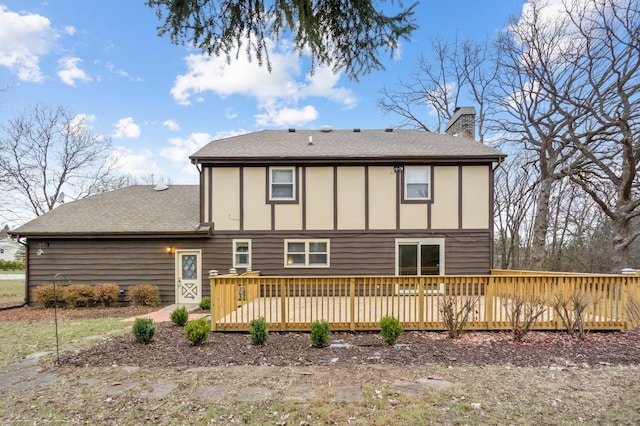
x=188 y=276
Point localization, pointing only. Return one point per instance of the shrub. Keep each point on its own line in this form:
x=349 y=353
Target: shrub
x=455 y=313
x=390 y=329
x=144 y=295
x=107 y=293
x=320 y=334
x=144 y=330
x=522 y=311
x=44 y=295
x=205 y=303
x=180 y=316
x=572 y=311
x=259 y=332
x=198 y=330
x=78 y=295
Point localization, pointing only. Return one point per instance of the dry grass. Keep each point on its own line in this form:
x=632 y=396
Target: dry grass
x=494 y=395
x=11 y=291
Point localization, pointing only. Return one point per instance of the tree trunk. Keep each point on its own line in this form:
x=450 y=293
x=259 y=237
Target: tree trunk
x=620 y=251
x=541 y=224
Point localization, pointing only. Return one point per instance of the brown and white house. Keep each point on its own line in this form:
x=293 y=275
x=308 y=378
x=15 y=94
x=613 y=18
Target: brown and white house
x=285 y=203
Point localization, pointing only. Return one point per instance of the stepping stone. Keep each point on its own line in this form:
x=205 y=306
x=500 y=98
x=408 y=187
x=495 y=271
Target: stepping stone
x=437 y=384
x=38 y=381
x=409 y=388
x=210 y=393
x=157 y=390
x=119 y=388
x=253 y=394
x=348 y=394
x=300 y=393
x=7 y=379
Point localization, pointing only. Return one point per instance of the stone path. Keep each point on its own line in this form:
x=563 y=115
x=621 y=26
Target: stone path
x=27 y=374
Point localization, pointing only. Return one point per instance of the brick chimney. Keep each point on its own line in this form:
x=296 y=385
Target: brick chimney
x=463 y=123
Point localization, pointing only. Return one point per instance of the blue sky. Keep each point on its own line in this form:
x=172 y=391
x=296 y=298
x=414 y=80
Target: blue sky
x=159 y=102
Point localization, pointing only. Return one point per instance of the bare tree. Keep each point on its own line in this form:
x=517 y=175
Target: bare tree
x=453 y=71
x=604 y=112
x=45 y=152
x=514 y=195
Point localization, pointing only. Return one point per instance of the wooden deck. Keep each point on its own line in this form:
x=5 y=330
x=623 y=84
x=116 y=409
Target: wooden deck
x=358 y=303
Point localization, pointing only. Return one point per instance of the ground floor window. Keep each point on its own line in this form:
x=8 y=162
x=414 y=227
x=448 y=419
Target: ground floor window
x=241 y=253
x=420 y=257
x=306 y=253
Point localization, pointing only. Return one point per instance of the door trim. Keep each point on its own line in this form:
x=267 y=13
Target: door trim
x=178 y=273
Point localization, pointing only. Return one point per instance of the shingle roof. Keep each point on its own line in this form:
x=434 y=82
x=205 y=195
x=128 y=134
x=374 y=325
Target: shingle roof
x=135 y=210
x=343 y=144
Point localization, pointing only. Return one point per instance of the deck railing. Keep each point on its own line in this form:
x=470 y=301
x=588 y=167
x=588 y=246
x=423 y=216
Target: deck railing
x=359 y=302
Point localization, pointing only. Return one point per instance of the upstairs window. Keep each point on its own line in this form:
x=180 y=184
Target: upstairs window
x=282 y=183
x=417 y=183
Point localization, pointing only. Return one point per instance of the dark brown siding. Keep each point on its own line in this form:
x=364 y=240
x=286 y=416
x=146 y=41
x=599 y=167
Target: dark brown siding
x=370 y=253
x=129 y=262
x=126 y=262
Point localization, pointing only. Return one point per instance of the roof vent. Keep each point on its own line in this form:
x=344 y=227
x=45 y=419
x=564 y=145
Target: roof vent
x=292 y=130
x=161 y=187
x=388 y=130
x=310 y=140
x=326 y=129
x=356 y=130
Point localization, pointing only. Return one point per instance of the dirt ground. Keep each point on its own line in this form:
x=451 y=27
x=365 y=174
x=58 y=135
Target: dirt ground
x=170 y=348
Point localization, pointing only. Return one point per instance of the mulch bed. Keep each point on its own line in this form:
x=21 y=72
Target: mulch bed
x=170 y=348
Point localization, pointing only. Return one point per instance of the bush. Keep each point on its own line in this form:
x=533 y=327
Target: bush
x=78 y=295
x=198 y=330
x=205 y=303
x=180 y=316
x=390 y=329
x=320 y=334
x=144 y=295
x=143 y=330
x=107 y=293
x=522 y=312
x=455 y=312
x=259 y=332
x=44 y=295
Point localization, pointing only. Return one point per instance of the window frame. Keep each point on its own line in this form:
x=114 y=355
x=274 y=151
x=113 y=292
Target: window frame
x=294 y=193
x=307 y=253
x=418 y=242
x=405 y=185
x=235 y=252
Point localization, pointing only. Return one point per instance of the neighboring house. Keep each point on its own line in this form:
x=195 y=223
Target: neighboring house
x=318 y=202
x=8 y=249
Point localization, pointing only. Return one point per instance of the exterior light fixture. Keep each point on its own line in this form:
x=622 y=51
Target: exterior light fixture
x=170 y=250
x=397 y=169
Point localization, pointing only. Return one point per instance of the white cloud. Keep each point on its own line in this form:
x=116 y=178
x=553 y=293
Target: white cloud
x=24 y=39
x=137 y=164
x=69 y=71
x=180 y=148
x=114 y=70
x=126 y=128
x=283 y=117
x=277 y=93
x=171 y=125
x=70 y=30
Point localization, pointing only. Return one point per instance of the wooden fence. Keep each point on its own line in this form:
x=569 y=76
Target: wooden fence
x=359 y=302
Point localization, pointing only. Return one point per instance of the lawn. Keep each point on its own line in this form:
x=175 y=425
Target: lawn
x=11 y=291
x=21 y=338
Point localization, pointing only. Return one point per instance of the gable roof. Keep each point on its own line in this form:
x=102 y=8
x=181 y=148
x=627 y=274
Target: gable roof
x=343 y=146
x=134 y=210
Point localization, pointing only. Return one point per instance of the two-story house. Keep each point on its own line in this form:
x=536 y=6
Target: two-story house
x=286 y=202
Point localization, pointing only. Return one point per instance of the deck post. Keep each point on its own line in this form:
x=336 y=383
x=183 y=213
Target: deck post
x=283 y=304
x=421 y=301
x=489 y=295
x=212 y=290
x=352 y=300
